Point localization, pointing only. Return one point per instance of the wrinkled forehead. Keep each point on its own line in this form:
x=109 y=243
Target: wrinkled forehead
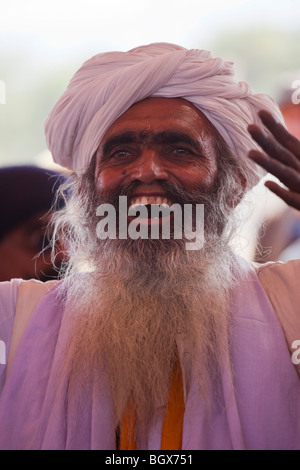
x=157 y=115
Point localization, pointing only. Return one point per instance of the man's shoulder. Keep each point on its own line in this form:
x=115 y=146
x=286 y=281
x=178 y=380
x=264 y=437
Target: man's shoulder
x=29 y=295
x=285 y=275
x=32 y=290
x=281 y=282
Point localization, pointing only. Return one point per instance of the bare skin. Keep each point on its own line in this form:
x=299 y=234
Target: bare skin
x=156 y=140
x=281 y=158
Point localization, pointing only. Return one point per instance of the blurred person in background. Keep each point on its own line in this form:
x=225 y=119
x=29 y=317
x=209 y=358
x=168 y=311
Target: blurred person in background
x=27 y=194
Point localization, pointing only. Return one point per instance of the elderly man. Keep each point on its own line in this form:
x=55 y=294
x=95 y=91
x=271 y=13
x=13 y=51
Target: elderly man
x=145 y=344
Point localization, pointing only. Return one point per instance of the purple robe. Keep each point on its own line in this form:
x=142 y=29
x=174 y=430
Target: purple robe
x=259 y=407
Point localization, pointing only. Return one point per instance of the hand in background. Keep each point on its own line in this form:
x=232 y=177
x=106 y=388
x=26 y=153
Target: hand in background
x=281 y=158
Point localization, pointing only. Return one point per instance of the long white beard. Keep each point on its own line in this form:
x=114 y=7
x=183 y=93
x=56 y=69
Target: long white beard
x=142 y=298
x=130 y=313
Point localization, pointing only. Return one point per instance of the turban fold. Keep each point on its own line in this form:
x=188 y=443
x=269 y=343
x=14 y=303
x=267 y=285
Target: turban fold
x=109 y=83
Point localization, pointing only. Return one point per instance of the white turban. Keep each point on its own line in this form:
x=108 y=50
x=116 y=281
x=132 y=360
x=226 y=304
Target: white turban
x=109 y=83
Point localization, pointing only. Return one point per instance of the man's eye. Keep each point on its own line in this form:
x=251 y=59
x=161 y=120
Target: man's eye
x=181 y=151
x=119 y=154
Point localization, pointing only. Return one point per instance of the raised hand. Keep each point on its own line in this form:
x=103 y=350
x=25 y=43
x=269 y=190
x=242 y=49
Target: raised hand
x=281 y=158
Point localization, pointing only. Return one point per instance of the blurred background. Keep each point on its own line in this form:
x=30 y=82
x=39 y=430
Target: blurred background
x=43 y=43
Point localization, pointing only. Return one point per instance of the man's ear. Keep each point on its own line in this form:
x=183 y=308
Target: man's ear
x=234 y=199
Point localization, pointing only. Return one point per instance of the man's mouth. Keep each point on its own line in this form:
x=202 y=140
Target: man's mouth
x=150 y=202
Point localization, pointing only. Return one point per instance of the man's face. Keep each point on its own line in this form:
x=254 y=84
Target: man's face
x=158 y=140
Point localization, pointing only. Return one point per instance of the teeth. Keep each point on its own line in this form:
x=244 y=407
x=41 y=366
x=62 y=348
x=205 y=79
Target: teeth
x=134 y=201
x=144 y=200
x=148 y=200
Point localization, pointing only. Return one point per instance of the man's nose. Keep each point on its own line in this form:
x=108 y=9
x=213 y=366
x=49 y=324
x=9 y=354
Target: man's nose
x=149 y=167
